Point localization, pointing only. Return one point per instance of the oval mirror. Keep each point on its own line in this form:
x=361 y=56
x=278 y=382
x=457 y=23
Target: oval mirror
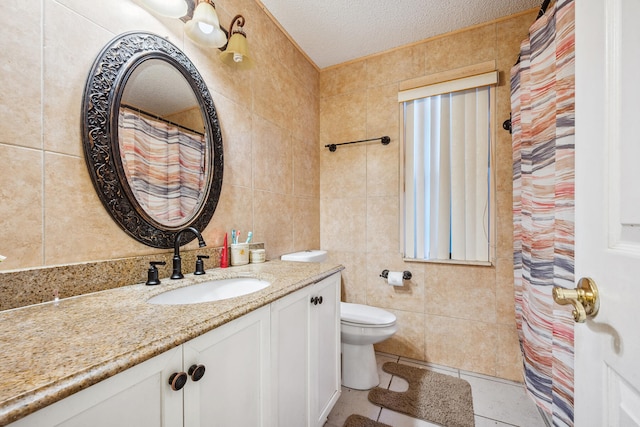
x=162 y=145
x=152 y=140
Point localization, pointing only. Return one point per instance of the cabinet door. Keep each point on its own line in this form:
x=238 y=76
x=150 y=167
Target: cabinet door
x=290 y=359
x=137 y=397
x=325 y=348
x=234 y=390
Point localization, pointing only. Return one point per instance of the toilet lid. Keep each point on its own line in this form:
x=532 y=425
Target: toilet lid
x=365 y=314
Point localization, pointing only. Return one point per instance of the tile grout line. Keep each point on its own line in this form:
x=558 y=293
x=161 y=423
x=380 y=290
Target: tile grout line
x=379 y=414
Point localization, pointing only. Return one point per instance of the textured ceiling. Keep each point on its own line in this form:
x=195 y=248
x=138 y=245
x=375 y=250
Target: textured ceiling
x=335 y=31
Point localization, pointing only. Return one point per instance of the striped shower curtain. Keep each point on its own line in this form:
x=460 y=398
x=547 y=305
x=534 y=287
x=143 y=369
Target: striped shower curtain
x=542 y=104
x=164 y=166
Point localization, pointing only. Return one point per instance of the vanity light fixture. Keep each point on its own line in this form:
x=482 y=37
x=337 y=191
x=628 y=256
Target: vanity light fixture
x=237 y=50
x=204 y=27
x=169 y=8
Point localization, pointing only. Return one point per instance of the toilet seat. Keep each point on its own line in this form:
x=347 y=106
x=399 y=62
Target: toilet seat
x=365 y=316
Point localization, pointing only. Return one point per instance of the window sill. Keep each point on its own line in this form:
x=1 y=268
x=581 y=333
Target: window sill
x=450 y=261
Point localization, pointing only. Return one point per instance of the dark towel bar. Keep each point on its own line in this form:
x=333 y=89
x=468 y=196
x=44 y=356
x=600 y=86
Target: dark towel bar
x=384 y=139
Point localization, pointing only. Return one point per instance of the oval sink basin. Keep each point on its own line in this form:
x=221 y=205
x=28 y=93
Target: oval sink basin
x=214 y=290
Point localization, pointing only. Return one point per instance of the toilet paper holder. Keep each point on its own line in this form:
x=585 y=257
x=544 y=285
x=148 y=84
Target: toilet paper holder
x=406 y=275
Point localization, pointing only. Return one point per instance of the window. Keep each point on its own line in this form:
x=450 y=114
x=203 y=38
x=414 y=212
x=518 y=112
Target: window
x=447 y=170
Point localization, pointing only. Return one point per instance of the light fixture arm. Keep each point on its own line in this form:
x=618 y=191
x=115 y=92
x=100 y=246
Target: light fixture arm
x=238 y=19
x=191 y=7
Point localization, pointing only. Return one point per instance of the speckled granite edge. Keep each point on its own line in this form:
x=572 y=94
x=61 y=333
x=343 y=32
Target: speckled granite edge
x=111 y=319
x=20 y=288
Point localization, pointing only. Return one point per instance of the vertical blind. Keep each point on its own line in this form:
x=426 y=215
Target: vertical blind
x=447 y=176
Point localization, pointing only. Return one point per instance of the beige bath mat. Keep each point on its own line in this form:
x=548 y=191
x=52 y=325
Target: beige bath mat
x=431 y=396
x=360 y=421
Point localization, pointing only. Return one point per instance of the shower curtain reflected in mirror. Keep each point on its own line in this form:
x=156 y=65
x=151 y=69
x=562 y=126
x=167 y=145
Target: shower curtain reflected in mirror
x=164 y=165
x=543 y=105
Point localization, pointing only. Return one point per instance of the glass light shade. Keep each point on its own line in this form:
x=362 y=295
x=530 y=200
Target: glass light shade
x=204 y=27
x=169 y=8
x=237 y=52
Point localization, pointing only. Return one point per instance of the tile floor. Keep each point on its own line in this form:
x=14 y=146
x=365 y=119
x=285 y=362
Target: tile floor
x=496 y=402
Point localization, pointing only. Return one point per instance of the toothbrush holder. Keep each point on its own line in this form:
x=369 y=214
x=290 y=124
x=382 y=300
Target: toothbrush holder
x=240 y=254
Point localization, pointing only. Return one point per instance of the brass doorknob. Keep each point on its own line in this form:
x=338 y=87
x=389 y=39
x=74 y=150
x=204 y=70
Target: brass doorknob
x=584 y=298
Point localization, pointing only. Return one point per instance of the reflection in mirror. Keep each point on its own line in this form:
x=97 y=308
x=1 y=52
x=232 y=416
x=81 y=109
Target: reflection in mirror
x=162 y=143
x=151 y=138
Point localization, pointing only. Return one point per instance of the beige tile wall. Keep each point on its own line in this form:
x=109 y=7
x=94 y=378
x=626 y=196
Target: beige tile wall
x=460 y=316
x=49 y=211
x=277 y=182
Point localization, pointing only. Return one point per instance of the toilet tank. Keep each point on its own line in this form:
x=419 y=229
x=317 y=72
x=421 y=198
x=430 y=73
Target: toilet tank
x=306 y=256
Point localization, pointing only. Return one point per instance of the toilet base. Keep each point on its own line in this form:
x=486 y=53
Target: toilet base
x=359 y=367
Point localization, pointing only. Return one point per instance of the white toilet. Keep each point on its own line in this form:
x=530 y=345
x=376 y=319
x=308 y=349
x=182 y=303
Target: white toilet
x=361 y=326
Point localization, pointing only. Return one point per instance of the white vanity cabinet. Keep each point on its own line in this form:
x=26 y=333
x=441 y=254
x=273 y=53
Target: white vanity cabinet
x=276 y=366
x=139 y=396
x=325 y=349
x=305 y=348
x=234 y=390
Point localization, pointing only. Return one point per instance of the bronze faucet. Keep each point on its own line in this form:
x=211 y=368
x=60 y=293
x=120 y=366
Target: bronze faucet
x=177 y=262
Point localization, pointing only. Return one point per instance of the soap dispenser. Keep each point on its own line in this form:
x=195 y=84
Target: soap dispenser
x=152 y=274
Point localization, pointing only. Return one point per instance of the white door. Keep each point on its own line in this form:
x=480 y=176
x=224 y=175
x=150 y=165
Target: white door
x=607 y=347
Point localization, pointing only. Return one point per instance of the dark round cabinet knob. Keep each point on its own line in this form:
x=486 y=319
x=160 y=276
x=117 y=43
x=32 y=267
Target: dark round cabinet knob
x=178 y=380
x=196 y=372
x=314 y=300
x=320 y=299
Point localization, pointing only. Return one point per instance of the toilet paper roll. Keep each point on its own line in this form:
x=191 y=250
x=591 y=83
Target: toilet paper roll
x=395 y=278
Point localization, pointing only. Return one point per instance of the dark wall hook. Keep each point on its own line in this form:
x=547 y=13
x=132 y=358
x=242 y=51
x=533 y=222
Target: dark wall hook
x=506 y=125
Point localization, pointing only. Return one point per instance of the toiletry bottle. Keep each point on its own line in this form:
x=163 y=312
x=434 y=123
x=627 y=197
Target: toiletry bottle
x=224 y=257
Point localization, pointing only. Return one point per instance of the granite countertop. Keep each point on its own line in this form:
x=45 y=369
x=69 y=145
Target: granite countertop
x=52 y=350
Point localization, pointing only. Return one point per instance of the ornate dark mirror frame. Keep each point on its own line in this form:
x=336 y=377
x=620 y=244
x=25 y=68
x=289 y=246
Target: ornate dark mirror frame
x=100 y=107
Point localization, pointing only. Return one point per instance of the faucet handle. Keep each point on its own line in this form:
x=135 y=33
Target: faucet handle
x=152 y=274
x=200 y=264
